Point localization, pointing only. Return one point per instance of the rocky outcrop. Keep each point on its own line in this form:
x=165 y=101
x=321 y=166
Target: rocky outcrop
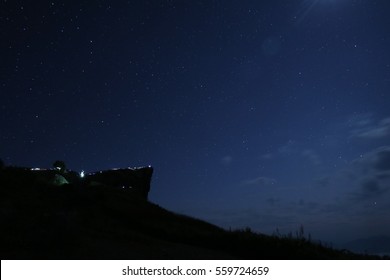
x=134 y=180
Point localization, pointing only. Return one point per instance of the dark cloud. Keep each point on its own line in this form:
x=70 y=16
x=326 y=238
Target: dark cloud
x=383 y=160
x=371 y=187
x=272 y=201
x=383 y=176
x=308 y=206
x=323 y=182
x=370 y=173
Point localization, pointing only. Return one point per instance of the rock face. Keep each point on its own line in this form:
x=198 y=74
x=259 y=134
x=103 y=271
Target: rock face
x=135 y=180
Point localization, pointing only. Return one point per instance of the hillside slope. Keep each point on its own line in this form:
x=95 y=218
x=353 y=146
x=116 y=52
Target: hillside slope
x=43 y=221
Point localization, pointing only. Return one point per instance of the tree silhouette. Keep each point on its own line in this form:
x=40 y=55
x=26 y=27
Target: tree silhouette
x=2 y=165
x=60 y=165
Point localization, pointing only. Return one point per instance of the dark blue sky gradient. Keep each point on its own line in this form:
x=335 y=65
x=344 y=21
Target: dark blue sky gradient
x=267 y=114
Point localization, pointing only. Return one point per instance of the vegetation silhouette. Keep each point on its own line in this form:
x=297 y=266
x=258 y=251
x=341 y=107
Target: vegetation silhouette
x=44 y=220
x=60 y=165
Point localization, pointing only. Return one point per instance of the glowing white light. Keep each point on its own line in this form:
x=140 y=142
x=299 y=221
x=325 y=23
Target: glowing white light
x=82 y=174
x=35 y=169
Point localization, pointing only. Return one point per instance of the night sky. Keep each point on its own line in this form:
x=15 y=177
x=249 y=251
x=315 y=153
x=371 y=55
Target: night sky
x=266 y=114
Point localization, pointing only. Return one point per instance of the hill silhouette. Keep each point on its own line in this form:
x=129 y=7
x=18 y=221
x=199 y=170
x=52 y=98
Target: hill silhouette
x=51 y=220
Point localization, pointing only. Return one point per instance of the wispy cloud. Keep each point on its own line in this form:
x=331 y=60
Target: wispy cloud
x=267 y=156
x=260 y=181
x=312 y=156
x=287 y=149
x=227 y=160
x=366 y=129
x=291 y=148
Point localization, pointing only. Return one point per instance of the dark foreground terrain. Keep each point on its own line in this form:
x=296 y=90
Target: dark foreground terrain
x=73 y=221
